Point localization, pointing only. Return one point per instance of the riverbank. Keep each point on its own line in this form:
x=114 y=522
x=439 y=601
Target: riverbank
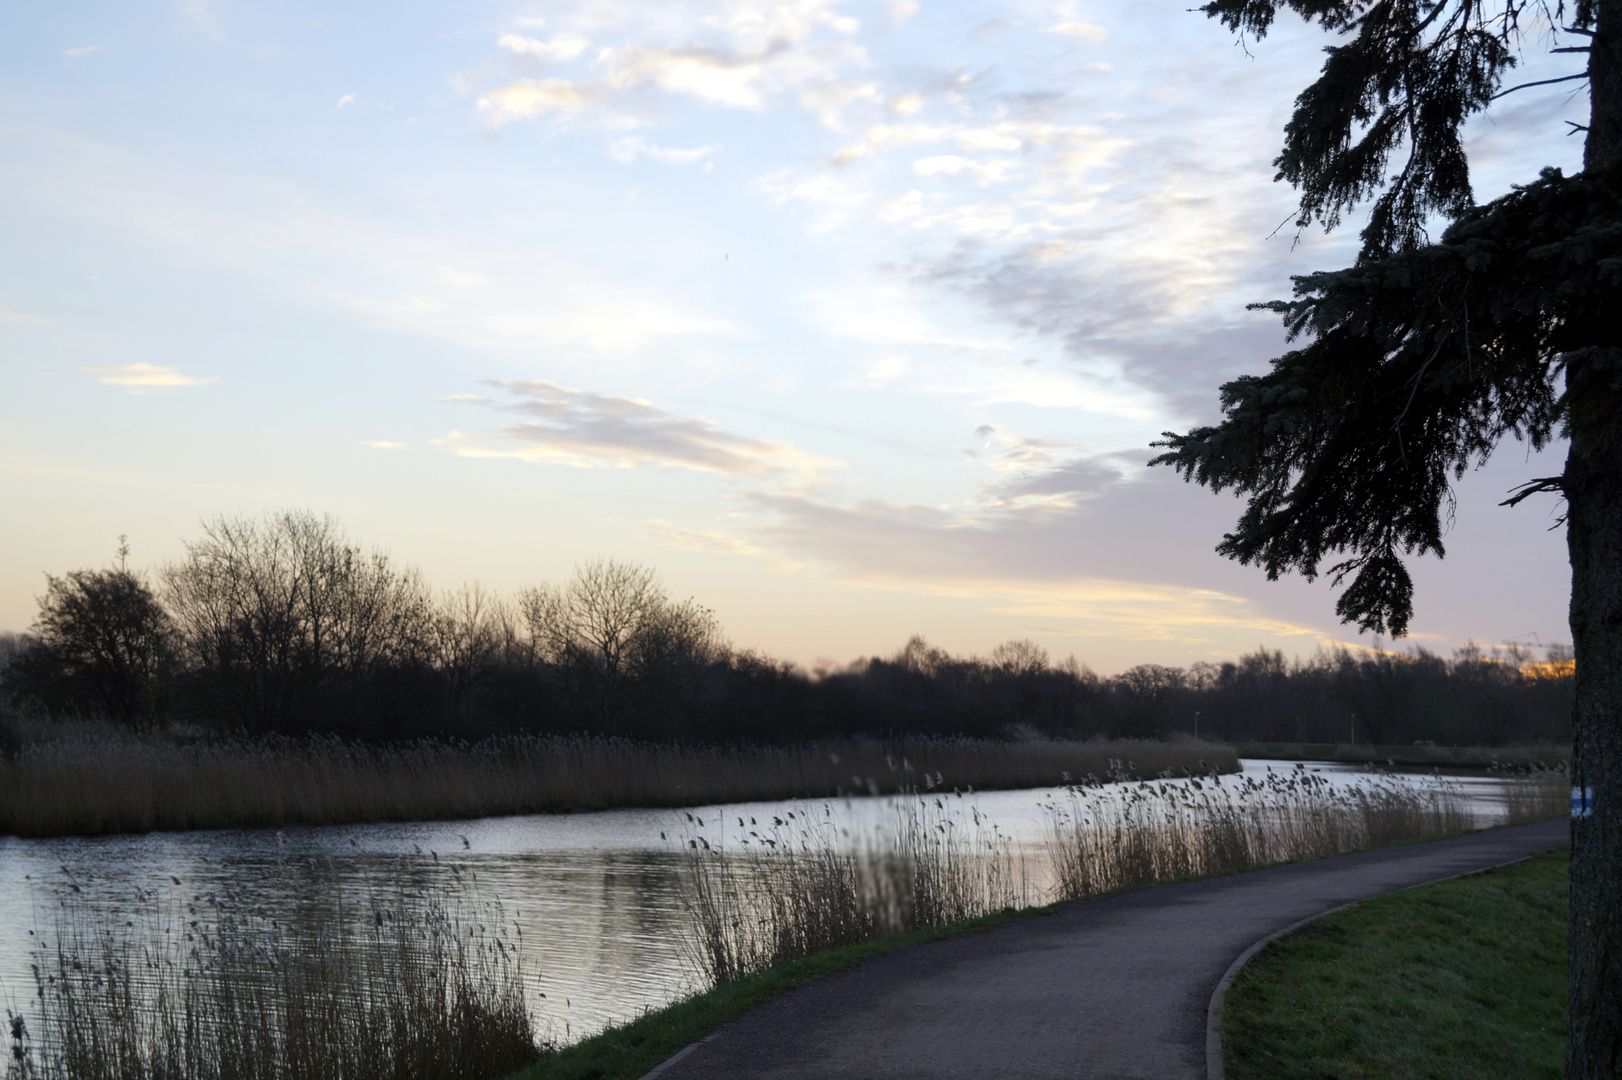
x=93 y=779
x=630 y=1051
x=1459 y=979
x=1464 y=757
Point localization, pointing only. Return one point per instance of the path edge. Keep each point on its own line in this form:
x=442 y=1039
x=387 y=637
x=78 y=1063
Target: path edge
x=1213 y=1010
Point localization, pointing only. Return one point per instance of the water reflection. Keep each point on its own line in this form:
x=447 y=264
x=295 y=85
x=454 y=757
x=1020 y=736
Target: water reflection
x=595 y=896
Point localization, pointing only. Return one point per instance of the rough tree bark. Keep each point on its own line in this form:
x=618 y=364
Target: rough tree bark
x=1593 y=488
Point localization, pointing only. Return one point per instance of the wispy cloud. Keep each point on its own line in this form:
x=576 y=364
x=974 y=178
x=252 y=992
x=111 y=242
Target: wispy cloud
x=738 y=58
x=711 y=541
x=82 y=50
x=529 y=98
x=142 y=378
x=588 y=430
x=558 y=49
x=1091 y=33
x=1057 y=566
x=629 y=148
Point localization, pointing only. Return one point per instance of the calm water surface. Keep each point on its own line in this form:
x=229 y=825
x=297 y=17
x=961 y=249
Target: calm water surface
x=596 y=896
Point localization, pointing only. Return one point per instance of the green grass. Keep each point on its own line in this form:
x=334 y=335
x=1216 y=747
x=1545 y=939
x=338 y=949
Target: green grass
x=1460 y=979
x=625 y=1053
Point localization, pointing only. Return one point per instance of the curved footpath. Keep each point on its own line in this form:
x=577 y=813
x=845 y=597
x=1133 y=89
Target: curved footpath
x=1107 y=989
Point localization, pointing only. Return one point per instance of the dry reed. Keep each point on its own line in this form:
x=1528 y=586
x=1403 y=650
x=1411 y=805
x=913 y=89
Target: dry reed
x=419 y=983
x=1535 y=793
x=88 y=779
x=801 y=888
x=1103 y=837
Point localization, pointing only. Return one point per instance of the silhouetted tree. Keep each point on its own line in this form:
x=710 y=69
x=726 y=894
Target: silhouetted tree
x=102 y=642
x=613 y=624
x=274 y=611
x=1423 y=356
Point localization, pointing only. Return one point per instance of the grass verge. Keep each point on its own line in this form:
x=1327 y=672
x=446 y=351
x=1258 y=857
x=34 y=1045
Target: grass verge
x=1460 y=979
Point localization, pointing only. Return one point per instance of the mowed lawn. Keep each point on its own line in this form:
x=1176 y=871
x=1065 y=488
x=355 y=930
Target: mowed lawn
x=1463 y=978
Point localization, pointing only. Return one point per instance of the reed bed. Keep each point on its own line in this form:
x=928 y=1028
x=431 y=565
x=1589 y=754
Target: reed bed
x=414 y=982
x=89 y=779
x=799 y=887
x=1108 y=836
x=1535 y=792
x=796 y=886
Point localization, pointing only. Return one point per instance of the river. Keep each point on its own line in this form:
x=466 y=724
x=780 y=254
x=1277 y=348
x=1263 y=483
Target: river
x=596 y=896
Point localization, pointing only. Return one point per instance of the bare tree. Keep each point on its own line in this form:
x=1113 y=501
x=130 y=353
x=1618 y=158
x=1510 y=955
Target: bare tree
x=473 y=632
x=1017 y=658
x=273 y=609
x=613 y=623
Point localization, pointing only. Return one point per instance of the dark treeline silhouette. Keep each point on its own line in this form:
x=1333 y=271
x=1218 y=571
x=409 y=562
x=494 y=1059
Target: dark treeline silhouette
x=281 y=625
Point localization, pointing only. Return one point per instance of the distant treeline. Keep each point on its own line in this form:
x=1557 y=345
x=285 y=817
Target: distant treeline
x=282 y=625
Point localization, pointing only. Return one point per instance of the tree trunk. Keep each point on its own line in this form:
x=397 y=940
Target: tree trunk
x=1602 y=148
x=1594 y=536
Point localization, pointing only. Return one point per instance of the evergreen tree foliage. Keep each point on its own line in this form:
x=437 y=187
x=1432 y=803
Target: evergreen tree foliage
x=1416 y=365
x=1422 y=356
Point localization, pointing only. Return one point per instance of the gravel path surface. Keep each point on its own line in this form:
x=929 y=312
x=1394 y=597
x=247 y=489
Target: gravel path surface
x=1110 y=988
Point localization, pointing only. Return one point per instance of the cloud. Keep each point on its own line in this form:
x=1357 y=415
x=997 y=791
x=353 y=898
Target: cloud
x=711 y=541
x=344 y=102
x=829 y=100
x=1090 y=33
x=530 y=98
x=723 y=79
x=736 y=59
x=462 y=279
x=901 y=11
x=1039 y=565
x=561 y=48
x=910 y=103
x=628 y=148
x=587 y=430
x=83 y=50
x=142 y=378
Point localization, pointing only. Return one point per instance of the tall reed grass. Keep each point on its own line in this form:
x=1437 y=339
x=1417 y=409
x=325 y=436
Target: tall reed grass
x=1534 y=792
x=1109 y=837
x=420 y=982
x=87 y=778
x=799 y=887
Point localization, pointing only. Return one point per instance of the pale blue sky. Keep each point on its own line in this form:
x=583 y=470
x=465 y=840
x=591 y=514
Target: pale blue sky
x=854 y=319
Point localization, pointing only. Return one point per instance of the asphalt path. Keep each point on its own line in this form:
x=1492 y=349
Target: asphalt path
x=1110 y=988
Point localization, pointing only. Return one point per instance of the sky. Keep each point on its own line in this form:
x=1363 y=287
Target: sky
x=855 y=320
